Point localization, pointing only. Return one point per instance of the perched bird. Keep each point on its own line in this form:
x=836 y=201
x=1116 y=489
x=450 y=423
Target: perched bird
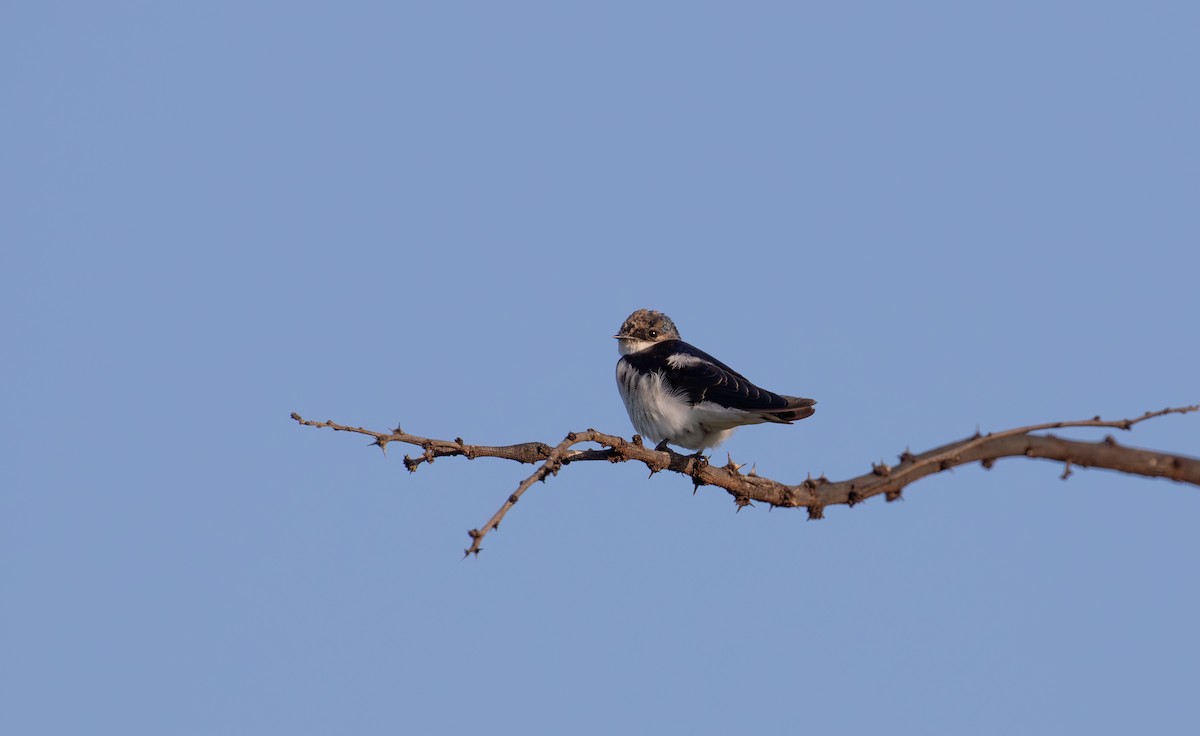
x=676 y=393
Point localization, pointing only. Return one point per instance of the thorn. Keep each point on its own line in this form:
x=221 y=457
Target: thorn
x=906 y=456
x=753 y=471
x=381 y=444
x=571 y=436
x=1096 y=418
x=1109 y=440
x=987 y=463
x=893 y=496
x=397 y=430
x=731 y=465
x=1066 y=471
x=881 y=469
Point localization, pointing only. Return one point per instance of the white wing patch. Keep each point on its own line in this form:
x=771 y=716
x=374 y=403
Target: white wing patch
x=679 y=360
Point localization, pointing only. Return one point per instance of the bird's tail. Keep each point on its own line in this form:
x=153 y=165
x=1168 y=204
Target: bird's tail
x=796 y=409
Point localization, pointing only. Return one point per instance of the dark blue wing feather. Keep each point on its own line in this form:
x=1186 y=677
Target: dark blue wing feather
x=704 y=378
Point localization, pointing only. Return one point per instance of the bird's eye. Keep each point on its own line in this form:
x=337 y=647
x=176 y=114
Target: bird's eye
x=653 y=333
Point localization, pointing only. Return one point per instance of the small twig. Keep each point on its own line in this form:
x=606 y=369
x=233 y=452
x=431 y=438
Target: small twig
x=526 y=452
x=955 y=450
x=550 y=466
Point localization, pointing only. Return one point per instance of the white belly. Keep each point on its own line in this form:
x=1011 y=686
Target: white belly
x=658 y=413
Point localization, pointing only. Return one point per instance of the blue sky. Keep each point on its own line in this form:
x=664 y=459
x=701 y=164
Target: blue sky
x=930 y=217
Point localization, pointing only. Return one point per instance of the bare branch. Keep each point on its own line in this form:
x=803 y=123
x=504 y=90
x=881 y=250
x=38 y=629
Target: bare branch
x=527 y=452
x=814 y=494
x=551 y=466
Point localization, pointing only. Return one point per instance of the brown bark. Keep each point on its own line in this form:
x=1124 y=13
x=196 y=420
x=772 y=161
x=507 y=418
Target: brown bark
x=814 y=494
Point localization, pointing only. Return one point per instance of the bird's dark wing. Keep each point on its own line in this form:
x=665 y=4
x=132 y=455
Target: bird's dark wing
x=704 y=378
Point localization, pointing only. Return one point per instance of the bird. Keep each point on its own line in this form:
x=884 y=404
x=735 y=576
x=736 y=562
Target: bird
x=678 y=394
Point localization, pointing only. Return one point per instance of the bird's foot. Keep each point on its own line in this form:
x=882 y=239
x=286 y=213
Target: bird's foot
x=658 y=465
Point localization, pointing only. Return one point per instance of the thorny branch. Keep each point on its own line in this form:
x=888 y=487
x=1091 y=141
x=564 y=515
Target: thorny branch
x=813 y=494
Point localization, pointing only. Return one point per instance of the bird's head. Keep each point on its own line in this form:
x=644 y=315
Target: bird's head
x=643 y=329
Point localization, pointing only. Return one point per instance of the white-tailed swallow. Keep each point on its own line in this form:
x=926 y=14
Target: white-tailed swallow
x=676 y=393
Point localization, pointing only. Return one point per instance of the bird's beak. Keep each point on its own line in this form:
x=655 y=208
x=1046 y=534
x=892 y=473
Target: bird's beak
x=620 y=337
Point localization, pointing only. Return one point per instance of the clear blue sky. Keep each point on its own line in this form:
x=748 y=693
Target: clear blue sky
x=928 y=216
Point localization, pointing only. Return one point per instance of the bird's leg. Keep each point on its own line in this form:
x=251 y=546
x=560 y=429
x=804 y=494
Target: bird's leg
x=662 y=447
